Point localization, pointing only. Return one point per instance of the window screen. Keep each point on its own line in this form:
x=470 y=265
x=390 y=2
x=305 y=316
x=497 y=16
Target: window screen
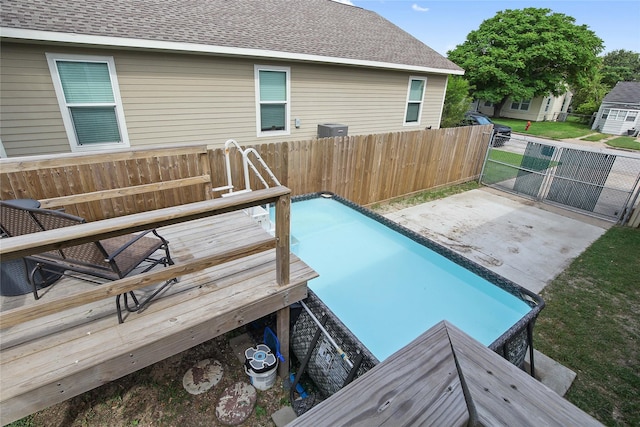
x=90 y=102
x=273 y=100
x=414 y=101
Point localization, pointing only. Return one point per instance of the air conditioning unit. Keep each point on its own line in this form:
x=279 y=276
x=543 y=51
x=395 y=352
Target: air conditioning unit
x=328 y=130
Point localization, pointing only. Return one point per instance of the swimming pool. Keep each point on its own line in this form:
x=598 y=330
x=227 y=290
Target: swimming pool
x=386 y=284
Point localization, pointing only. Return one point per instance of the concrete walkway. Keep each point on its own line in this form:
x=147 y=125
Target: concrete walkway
x=527 y=242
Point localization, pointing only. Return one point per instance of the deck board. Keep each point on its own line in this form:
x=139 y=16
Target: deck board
x=506 y=396
x=445 y=377
x=416 y=386
x=50 y=359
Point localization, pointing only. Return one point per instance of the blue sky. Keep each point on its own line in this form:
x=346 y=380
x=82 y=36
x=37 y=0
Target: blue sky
x=443 y=24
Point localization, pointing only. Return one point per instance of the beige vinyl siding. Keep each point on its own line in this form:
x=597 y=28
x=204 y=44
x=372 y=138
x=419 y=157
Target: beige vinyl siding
x=368 y=101
x=433 y=101
x=534 y=113
x=556 y=106
x=30 y=118
x=176 y=98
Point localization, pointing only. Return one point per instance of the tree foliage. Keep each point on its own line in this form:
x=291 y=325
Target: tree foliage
x=620 y=66
x=591 y=88
x=588 y=92
x=456 y=101
x=524 y=53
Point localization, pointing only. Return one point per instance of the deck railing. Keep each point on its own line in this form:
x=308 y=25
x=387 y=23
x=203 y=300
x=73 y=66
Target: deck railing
x=21 y=246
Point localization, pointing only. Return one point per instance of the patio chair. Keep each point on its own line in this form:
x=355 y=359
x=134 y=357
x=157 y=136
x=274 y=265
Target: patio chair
x=109 y=259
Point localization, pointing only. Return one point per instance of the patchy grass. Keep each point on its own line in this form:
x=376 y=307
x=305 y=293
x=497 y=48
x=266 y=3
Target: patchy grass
x=591 y=325
x=595 y=137
x=154 y=396
x=627 y=142
x=423 y=197
x=551 y=130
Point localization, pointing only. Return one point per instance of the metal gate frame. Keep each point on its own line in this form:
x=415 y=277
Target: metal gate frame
x=596 y=183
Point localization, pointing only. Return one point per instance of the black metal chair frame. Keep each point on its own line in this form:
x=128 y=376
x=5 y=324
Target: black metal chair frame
x=109 y=259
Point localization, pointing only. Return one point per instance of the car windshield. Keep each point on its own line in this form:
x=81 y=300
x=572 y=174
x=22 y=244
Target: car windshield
x=483 y=120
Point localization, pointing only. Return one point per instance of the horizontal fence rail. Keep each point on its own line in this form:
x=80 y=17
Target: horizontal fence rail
x=363 y=168
x=113 y=184
x=370 y=168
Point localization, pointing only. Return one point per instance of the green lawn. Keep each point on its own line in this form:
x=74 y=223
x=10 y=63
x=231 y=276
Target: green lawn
x=596 y=137
x=552 y=130
x=591 y=324
x=498 y=172
x=572 y=128
x=627 y=142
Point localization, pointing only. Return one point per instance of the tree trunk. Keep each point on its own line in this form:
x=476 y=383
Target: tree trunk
x=497 y=107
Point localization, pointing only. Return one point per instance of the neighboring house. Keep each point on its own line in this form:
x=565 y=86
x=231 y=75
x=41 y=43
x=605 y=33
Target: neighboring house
x=95 y=75
x=538 y=109
x=618 y=114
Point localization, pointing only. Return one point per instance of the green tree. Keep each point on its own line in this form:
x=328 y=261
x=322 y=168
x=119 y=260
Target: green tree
x=524 y=53
x=588 y=93
x=456 y=101
x=620 y=66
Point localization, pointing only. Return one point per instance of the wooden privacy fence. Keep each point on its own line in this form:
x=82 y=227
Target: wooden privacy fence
x=371 y=168
x=111 y=184
x=364 y=168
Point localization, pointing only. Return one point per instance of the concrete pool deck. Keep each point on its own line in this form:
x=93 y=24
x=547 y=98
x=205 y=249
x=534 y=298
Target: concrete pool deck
x=524 y=241
x=527 y=242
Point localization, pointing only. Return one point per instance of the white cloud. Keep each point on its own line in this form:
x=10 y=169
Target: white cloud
x=419 y=9
x=344 y=2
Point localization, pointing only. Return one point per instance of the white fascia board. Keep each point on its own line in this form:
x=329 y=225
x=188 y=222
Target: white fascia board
x=122 y=42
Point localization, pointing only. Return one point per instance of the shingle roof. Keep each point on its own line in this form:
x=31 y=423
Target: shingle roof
x=624 y=93
x=310 y=27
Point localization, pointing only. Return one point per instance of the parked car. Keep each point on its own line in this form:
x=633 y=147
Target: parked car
x=501 y=133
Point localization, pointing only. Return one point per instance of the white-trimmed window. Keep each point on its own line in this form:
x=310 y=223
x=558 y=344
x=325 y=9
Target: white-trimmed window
x=631 y=116
x=272 y=100
x=89 y=99
x=521 y=105
x=415 y=98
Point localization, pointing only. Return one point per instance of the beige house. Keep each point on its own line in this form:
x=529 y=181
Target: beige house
x=541 y=108
x=86 y=76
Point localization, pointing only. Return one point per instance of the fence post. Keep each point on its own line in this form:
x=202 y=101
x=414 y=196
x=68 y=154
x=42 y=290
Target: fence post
x=283 y=217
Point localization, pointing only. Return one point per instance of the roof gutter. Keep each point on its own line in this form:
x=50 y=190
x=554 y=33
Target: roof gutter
x=203 y=49
x=621 y=103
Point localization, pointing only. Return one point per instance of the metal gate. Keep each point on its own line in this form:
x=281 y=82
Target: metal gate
x=597 y=183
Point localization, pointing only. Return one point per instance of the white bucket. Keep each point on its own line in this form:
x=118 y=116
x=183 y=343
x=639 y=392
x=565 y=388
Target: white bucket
x=263 y=381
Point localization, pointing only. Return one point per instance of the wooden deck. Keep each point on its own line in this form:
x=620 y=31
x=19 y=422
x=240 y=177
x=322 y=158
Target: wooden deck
x=445 y=378
x=52 y=358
